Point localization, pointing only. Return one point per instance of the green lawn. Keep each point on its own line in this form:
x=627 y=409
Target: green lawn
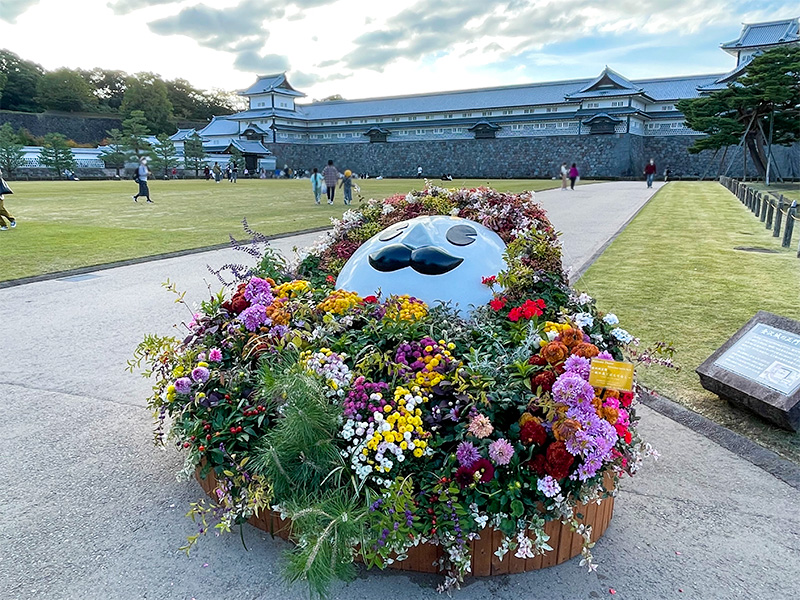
x=673 y=275
x=69 y=224
x=789 y=190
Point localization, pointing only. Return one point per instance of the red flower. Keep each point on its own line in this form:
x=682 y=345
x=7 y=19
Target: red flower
x=545 y=379
x=330 y=279
x=514 y=314
x=370 y=300
x=498 y=303
x=490 y=281
x=628 y=437
x=538 y=360
x=485 y=468
x=533 y=433
x=529 y=309
x=626 y=398
x=537 y=464
x=559 y=460
x=464 y=476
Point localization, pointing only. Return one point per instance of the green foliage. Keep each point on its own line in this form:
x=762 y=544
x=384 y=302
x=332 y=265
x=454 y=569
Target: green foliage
x=164 y=154
x=299 y=455
x=22 y=79
x=147 y=93
x=134 y=132
x=11 y=155
x=764 y=100
x=329 y=528
x=65 y=90
x=108 y=87
x=56 y=154
x=3 y=81
x=193 y=153
x=236 y=157
x=114 y=154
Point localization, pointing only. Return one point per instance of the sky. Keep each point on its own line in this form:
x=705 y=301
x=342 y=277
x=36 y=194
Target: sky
x=368 y=48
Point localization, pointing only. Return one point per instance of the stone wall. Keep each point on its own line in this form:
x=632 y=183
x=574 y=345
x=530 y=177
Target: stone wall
x=603 y=156
x=596 y=156
x=84 y=129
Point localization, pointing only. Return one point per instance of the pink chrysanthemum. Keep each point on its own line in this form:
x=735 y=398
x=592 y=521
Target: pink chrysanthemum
x=501 y=451
x=215 y=355
x=480 y=426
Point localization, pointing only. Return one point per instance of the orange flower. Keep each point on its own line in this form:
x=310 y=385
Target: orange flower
x=610 y=414
x=555 y=352
x=565 y=429
x=571 y=337
x=586 y=350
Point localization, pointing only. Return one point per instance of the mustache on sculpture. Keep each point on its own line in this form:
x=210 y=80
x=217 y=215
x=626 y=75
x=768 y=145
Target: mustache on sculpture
x=427 y=260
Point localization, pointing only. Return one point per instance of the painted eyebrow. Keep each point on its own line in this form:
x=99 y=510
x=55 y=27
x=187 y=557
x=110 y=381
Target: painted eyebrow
x=392 y=232
x=461 y=235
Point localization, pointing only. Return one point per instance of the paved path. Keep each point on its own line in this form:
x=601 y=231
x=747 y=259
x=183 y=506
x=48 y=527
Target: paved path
x=89 y=509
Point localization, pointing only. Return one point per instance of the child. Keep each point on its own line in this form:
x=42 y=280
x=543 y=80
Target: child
x=347 y=184
x=316 y=184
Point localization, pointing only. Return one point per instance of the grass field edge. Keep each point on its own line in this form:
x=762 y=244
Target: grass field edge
x=9 y=283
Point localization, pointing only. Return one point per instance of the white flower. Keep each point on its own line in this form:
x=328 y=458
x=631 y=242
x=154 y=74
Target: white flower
x=622 y=335
x=584 y=298
x=611 y=319
x=387 y=209
x=583 y=319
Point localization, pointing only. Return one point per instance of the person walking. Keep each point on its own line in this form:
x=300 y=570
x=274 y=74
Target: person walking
x=419 y=171
x=564 y=174
x=217 y=172
x=331 y=177
x=316 y=184
x=650 y=172
x=140 y=176
x=573 y=176
x=235 y=173
x=4 y=214
x=347 y=186
x=207 y=173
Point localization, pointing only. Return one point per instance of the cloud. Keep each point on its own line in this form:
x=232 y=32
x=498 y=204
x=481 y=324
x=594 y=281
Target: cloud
x=11 y=9
x=301 y=79
x=123 y=7
x=508 y=28
x=255 y=63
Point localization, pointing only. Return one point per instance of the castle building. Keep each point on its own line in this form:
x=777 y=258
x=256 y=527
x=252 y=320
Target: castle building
x=610 y=125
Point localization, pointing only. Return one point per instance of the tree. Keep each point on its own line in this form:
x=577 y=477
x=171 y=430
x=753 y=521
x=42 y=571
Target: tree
x=114 y=154
x=134 y=132
x=193 y=153
x=146 y=92
x=22 y=78
x=164 y=154
x=65 y=90
x=3 y=81
x=236 y=156
x=186 y=100
x=762 y=107
x=56 y=154
x=11 y=155
x=108 y=87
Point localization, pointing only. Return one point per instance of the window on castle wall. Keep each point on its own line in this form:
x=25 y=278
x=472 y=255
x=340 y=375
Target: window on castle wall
x=516 y=127
x=553 y=109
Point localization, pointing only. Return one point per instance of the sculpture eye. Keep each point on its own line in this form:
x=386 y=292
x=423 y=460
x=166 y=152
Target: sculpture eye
x=393 y=232
x=461 y=235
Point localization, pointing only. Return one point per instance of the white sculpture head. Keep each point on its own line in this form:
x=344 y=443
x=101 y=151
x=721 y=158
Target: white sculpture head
x=433 y=258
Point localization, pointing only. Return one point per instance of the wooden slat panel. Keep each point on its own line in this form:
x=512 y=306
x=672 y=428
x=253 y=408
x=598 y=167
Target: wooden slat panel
x=515 y=565
x=498 y=567
x=482 y=554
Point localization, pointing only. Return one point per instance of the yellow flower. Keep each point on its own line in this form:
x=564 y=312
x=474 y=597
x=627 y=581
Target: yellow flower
x=418 y=452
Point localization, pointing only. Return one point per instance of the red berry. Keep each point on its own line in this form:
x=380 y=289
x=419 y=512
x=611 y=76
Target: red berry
x=202 y=448
x=186 y=444
x=227 y=396
x=233 y=429
x=208 y=437
x=193 y=438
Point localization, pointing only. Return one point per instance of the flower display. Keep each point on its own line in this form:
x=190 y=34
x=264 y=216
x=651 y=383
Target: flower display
x=376 y=424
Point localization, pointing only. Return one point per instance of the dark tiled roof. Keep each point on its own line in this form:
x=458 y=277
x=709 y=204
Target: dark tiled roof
x=272 y=83
x=765 y=34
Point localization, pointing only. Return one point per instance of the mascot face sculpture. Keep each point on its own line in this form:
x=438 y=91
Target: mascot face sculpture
x=435 y=258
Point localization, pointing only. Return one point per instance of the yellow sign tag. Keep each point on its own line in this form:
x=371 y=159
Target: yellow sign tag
x=611 y=374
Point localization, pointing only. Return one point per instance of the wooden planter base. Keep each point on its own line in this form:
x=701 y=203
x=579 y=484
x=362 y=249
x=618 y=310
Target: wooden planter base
x=565 y=543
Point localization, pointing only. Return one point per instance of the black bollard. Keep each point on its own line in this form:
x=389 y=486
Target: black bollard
x=790 y=217
x=776 y=230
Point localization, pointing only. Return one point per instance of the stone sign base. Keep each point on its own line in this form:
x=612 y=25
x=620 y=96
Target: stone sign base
x=423 y=558
x=759 y=369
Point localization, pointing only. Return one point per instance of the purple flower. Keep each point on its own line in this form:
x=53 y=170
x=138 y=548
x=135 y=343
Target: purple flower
x=578 y=364
x=467 y=454
x=549 y=486
x=200 y=374
x=253 y=317
x=215 y=355
x=258 y=291
x=501 y=451
x=183 y=385
x=605 y=355
x=572 y=389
